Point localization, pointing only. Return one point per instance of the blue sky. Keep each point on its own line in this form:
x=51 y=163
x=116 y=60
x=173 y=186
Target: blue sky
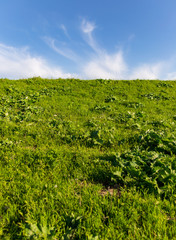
x=92 y=39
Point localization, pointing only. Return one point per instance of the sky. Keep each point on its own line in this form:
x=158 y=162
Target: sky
x=108 y=39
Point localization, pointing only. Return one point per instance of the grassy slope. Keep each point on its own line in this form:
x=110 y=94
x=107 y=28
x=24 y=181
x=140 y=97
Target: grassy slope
x=87 y=159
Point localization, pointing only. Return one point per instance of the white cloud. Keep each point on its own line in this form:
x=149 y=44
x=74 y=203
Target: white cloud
x=63 y=27
x=106 y=66
x=18 y=63
x=101 y=65
x=147 y=71
x=65 y=52
x=87 y=29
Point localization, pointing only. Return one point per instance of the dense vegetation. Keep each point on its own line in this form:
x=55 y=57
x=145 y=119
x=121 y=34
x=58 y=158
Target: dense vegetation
x=87 y=159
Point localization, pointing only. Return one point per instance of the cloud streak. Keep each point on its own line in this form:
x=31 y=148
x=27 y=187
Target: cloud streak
x=65 y=52
x=64 y=29
x=87 y=29
x=18 y=63
x=101 y=64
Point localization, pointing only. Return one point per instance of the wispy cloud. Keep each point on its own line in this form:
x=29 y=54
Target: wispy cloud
x=101 y=64
x=87 y=29
x=63 y=27
x=18 y=63
x=64 y=51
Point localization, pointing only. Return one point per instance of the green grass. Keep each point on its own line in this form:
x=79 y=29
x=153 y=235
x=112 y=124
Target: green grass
x=87 y=159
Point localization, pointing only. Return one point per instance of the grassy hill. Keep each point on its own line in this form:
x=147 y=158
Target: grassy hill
x=87 y=159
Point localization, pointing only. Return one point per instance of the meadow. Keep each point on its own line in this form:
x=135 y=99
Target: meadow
x=87 y=159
